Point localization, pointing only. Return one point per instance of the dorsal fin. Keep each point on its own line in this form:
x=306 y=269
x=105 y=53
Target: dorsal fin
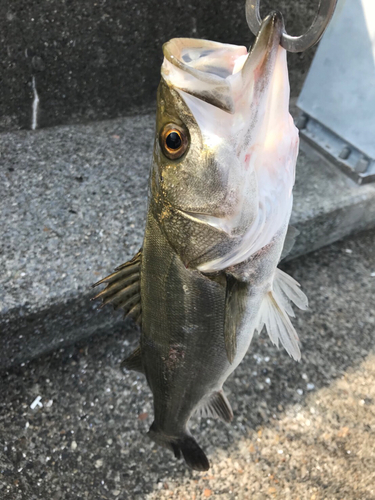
x=123 y=288
x=134 y=361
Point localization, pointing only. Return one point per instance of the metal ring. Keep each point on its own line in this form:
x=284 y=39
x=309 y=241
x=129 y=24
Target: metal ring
x=295 y=43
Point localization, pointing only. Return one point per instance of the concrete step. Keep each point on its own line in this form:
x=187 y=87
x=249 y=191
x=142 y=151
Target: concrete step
x=73 y=207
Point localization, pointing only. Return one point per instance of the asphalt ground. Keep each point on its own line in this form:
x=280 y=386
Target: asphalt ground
x=300 y=430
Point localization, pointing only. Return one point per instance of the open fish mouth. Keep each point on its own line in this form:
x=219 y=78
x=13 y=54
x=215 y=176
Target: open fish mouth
x=211 y=70
x=193 y=55
x=202 y=68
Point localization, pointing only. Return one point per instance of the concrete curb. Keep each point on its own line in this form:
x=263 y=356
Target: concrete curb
x=73 y=206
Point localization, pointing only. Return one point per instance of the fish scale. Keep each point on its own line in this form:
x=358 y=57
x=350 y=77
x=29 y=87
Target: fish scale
x=190 y=322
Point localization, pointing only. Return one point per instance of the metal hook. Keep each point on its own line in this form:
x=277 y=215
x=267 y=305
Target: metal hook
x=295 y=43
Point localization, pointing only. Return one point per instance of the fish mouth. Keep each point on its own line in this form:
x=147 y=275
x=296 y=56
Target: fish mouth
x=204 y=59
x=201 y=68
x=207 y=69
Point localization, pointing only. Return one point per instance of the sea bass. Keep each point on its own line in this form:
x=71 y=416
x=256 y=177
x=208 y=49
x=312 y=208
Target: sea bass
x=220 y=199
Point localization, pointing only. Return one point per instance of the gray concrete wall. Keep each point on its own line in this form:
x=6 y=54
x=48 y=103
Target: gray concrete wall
x=92 y=60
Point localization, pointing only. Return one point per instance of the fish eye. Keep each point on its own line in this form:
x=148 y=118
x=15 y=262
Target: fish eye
x=173 y=141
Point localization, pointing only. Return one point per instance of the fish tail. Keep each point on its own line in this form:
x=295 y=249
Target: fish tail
x=193 y=454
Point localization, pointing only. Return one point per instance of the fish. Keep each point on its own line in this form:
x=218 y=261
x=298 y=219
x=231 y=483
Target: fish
x=220 y=199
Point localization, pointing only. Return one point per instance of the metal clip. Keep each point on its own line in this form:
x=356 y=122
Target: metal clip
x=295 y=43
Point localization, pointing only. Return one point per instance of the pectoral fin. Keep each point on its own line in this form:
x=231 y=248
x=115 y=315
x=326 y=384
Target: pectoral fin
x=123 y=288
x=235 y=306
x=289 y=241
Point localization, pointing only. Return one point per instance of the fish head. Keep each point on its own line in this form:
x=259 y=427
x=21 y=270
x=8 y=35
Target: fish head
x=225 y=146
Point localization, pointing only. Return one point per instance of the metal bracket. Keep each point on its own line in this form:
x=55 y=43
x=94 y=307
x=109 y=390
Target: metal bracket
x=338 y=97
x=349 y=159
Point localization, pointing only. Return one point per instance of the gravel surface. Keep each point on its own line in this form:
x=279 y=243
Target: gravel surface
x=300 y=431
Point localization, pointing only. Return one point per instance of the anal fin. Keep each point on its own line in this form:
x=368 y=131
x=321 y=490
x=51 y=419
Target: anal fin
x=216 y=406
x=134 y=361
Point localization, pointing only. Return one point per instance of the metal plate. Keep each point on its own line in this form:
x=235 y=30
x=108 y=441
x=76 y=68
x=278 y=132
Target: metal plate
x=339 y=91
x=347 y=158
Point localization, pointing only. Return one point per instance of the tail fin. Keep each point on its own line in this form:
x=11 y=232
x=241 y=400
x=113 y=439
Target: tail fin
x=193 y=454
